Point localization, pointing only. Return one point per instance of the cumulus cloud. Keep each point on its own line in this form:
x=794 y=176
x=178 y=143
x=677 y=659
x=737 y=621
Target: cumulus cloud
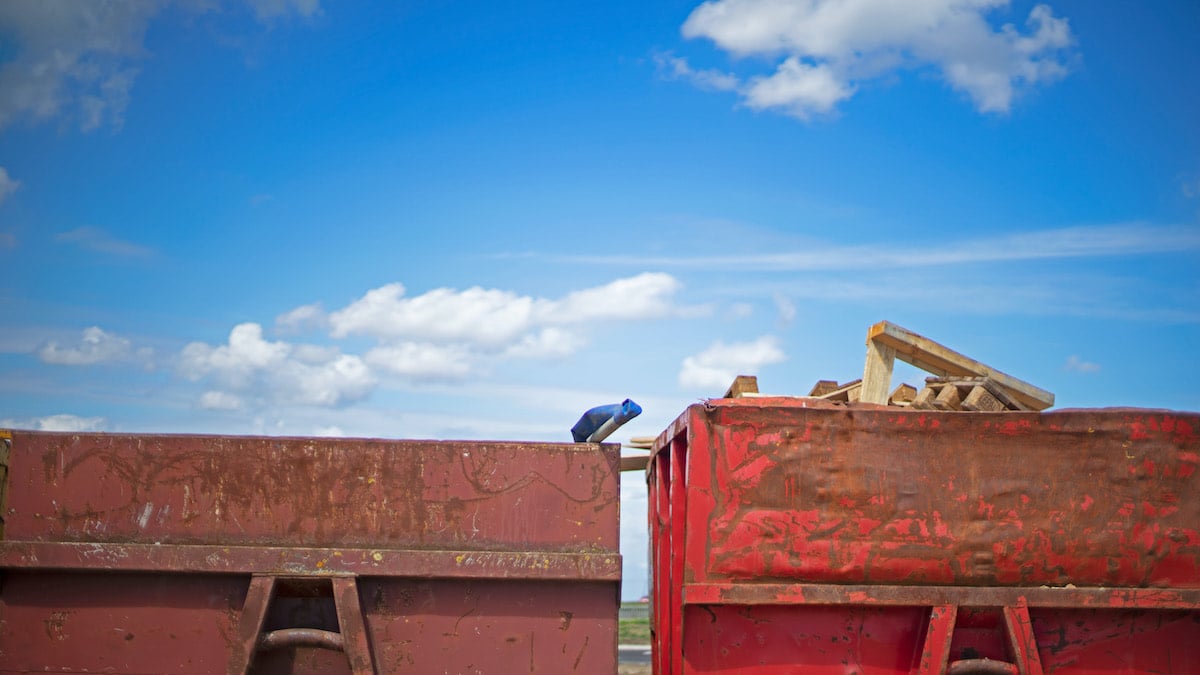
x=477 y=320
x=278 y=371
x=1075 y=364
x=95 y=346
x=79 y=60
x=62 y=422
x=7 y=184
x=829 y=47
x=422 y=360
x=717 y=366
x=97 y=240
x=304 y=317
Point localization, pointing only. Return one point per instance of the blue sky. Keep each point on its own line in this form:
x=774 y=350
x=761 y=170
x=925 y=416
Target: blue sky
x=448 y=220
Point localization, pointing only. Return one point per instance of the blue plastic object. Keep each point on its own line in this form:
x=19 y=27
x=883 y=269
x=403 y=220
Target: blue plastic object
x=597 y=423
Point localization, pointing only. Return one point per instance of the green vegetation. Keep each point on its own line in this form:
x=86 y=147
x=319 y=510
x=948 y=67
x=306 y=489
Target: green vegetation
x=633 y=631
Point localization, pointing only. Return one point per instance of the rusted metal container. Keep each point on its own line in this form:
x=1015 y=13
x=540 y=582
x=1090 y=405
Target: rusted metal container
x=792 y=535
x=206 y=554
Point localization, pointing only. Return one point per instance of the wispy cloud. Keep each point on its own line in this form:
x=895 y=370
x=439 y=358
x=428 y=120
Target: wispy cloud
x=829 y=47
x=1071 y=242
x=8 y=184
x=79 y=60
x=61 y=422
x=98 y=241
x=716 y=367
x=95 y=346
x=1075 y=364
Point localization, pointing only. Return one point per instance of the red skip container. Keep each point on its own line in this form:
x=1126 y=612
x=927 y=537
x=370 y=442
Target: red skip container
x=209 y=554
x=793 y=535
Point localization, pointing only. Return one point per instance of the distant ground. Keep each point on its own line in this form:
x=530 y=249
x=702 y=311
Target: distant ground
x=633 y=631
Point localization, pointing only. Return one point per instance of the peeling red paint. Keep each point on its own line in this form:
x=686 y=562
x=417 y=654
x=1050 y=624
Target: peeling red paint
x=1000 y=515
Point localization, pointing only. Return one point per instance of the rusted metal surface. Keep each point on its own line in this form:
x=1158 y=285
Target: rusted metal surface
x=205 y=554
x=310 y=492
x=969 y=540
x=285 y=560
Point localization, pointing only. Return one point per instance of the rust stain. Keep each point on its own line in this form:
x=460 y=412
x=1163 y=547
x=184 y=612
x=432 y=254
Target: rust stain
x=56 y=626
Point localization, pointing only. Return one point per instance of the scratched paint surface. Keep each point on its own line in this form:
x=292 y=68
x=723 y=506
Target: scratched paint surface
x=1096 y=498
x=763 y=510
x=311 y=492
x=497 y=513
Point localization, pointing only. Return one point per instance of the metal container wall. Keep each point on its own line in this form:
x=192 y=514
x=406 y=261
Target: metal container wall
x=795 y=535
x=205 y=554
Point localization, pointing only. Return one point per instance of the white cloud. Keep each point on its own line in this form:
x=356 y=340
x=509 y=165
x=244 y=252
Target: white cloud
x=7 y=184
x=219 y=400
x=302 y=318
x=547 y=343
x=95 y=346
x=717 y=366
x=422 y=360
x=714 y=80
x=79 y=59
x=477 y=315
x=278 y=371
x=331 y=431
x=798 y=88
x=1071 y=242
x=1075 y=364
x=61 y=422
x=645 y=296
x=98 y=241
x=787 y=310
x=476 y=321
x=829 y=46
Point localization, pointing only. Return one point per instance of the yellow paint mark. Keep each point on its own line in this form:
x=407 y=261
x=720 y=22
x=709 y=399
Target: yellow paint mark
x=459 y=558
x=337 y=554
x=371 y=480
x=377 y=556
x=320 y=564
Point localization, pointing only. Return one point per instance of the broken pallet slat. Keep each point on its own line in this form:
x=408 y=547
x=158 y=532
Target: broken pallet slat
x=947 y=399
x=902 y=395
x=742 y=385
x=849 y=392
x=887 y=342
x=981 y=400
x=823 y=387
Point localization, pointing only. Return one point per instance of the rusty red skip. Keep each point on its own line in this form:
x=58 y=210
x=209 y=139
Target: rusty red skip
x=794 y=535
x=210 y=554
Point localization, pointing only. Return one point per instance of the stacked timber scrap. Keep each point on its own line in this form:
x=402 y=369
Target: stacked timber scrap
x=974 y=394
x=958 y=383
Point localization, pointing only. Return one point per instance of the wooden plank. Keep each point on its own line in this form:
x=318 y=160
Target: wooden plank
x=634 y=462
x=847 y=392
x=939 y=360
x=966 y=384
x=742 y=384
x=924 y=399
x=980 y=400
x=877 y=372
x=823 y=387
x=947 y=399
x=905 y=393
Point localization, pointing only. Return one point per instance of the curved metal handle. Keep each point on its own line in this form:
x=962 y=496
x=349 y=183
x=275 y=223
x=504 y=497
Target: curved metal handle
x=981 y=667
x=301 y=637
